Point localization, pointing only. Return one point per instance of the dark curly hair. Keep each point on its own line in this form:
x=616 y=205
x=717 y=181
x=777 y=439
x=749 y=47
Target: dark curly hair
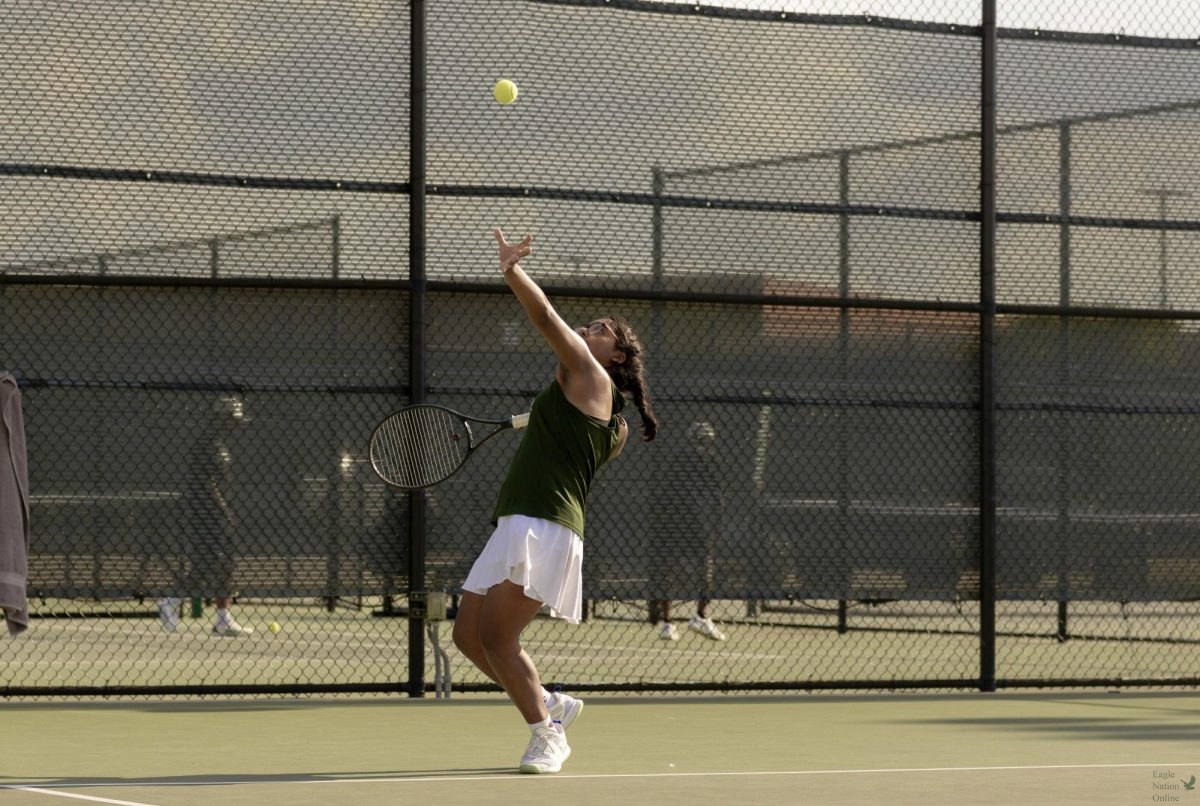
x=630 y=376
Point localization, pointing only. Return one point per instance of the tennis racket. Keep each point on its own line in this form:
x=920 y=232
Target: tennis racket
x=424 y=444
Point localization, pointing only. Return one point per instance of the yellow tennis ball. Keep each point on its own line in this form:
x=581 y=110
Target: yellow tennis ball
x=274 y=626
x=505 y=91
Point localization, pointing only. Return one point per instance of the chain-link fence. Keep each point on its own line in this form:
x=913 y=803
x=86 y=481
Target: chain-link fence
x=918 y=429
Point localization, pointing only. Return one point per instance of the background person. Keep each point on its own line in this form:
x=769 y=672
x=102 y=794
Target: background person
x=685 y=525
x=212 y=522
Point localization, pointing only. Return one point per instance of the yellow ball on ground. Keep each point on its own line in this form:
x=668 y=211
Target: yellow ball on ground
x=274 y=626
x=505 y=91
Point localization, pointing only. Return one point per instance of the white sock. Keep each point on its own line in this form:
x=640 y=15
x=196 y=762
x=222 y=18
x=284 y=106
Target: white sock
x=548 y=723
x=223 y=616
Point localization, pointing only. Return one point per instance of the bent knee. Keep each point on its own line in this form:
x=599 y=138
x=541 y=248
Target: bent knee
x=466 y=640
x=496 y=644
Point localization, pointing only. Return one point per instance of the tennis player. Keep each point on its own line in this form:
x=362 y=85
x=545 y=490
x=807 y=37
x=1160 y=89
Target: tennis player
x=532 y=562
x=212 y=521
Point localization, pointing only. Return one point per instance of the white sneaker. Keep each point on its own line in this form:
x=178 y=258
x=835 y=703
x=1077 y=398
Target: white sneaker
x=666 y=631
x=231 y=629
x=168 y=614
x=564 y=708
x=705 y=627
x=547 y=751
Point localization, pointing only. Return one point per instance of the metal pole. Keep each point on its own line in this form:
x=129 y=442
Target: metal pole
x=1064 y=431
x=843 y=414
x=335 y=247
x=1163 y=194
x=416 y=341
x=657 y=335
x=657 y=282
x=1162 y=253
x=987 y=352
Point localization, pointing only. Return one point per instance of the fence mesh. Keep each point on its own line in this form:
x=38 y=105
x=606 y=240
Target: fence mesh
x=208 y=209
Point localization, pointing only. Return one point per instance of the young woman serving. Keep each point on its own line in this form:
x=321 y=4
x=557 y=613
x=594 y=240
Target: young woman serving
x=533 y=561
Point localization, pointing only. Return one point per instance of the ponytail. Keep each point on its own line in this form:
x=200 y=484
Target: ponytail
x=630 y=376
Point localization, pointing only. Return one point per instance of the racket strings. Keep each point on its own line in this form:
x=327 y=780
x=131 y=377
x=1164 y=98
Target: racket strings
x=417 y=447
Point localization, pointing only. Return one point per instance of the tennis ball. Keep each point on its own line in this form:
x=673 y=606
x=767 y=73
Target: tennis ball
x=505 y=91
x=274 y=626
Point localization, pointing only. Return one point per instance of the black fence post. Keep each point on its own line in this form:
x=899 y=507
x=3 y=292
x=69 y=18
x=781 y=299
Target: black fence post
x=1066 y=537
x=335 y=247
x=843 y=414
x=416 y=341
x=987 y=352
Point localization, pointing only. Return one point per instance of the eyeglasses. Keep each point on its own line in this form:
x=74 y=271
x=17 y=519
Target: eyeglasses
x=598 y=327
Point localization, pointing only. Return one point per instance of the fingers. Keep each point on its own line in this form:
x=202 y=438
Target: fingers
x=499 y=235
x=525 y=248
x=511 y=253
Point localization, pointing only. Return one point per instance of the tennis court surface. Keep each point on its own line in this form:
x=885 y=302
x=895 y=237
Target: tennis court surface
x=1006 y=748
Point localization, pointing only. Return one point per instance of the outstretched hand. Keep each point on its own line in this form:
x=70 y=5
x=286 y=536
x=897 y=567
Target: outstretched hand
x=510 y=253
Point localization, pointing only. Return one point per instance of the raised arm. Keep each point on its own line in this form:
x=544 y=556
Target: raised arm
x=585 y=382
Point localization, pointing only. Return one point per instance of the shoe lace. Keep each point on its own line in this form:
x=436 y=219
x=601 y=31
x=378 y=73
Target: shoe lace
x=542 y=744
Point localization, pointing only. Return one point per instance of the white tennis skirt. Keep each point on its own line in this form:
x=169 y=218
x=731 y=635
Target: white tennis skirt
x=543 y=557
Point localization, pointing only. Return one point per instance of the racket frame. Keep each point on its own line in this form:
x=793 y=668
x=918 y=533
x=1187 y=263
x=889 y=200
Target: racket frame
x=382 y=436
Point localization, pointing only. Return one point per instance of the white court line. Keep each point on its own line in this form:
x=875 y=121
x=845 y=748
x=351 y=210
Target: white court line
x=513 y=776
x=77 y=797
x=559 y=777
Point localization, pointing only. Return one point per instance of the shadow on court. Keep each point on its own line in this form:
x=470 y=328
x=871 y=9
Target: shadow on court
x=1098 y=729
x=883 y=748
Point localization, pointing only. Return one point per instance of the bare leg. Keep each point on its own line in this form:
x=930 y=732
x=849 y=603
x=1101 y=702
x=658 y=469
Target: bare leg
x=466 y=633
x=506 y=612
x=702 y=608
x=664 y=610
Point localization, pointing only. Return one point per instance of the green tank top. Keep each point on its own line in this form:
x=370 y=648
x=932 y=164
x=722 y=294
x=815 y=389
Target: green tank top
x=558 y=457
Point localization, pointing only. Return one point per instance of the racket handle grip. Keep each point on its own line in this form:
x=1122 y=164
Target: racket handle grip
x=520 y=420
